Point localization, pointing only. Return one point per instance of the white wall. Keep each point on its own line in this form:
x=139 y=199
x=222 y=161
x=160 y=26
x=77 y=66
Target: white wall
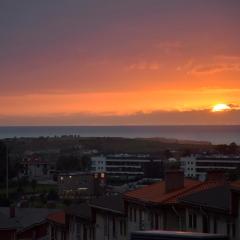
x=104 y=226
x=221 y=222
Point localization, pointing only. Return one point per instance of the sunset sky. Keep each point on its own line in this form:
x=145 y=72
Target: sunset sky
x=102 y=62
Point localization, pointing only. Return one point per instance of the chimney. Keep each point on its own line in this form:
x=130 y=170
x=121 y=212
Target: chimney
x=12 y=212
x=216 y=175
x=174 y=180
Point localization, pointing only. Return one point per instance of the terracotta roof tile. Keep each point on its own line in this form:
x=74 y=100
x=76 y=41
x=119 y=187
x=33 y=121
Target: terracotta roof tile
x=57 y=217
x=156 y=194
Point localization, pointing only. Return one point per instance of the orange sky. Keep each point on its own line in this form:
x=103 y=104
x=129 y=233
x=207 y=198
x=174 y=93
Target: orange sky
x=117 y=59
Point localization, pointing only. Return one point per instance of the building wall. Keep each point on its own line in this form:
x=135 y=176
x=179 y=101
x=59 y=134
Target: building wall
x=98 y=164
x=188 y=164
x=7 y=234
x=122 y=164
x=80 y=229
x=149 y=218
x=37 y=232
x=215 y=222
x=110 y=226
x=197 y=166
x=57 y=232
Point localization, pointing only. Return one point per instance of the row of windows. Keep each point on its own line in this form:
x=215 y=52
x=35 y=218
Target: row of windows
x=192 y=224
x=124 y=163
x=122 y=169
x=110 y=227
x=218 y=164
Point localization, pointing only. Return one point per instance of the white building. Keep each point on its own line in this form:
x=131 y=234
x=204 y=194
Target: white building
x=122 y=165
x=199 y=165
x=35 y=168
x=98 y=164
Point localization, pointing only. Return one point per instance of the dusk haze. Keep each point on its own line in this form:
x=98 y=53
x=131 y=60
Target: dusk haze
x=133 y=62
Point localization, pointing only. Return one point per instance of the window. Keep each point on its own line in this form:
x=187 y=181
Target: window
x=205 y=224
x=124 y=228
x=233 y=230
x=85 y=237
x=228 y=229
x=52 y=233
x=121 y=227
x=215 y=225
x=156 y=221
x=105 y=226
x=130 y=213
x=113 y=227
x=192 y=221
x=135 y=215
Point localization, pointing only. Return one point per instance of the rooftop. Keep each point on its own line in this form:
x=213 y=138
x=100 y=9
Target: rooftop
x=156 y=193
x=24 y=217
x=109 y=203
x=82 y=211
x=57 y=217
x=210 y=198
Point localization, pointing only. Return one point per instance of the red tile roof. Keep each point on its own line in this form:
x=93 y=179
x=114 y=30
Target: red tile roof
x=57 y=217
x=235 y=185
x=156 y=194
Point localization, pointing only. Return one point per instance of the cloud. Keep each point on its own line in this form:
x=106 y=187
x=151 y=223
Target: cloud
x=214 y=68
x=218 y=64
x=190 y=117
x=169 y=45
x=149 y=66
x=228 y=58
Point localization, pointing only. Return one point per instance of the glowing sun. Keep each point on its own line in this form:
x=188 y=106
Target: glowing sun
x=220 y=107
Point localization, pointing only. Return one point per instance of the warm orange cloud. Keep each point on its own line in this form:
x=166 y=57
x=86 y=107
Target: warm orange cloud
x=118 y=58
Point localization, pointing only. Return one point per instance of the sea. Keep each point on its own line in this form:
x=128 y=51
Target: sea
x=213 y=134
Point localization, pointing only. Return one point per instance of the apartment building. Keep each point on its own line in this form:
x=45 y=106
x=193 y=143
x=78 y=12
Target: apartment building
x=175 y=204
x=35 y=168
x=197 y=166
x=109 y=216
x=24 y=223
x=76 y=185
x=126 y=167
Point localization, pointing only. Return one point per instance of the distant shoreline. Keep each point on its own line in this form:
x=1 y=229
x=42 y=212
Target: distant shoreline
x=216 y=134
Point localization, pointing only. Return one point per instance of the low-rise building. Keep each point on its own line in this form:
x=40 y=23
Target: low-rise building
x=8 y=228
x=81 y=223
x=57 y=227
x=24 y=223
x=109 y=217
x=197 y=166
x=175 y=204
x=127 y=167
x=77 y=185
x=35 y=168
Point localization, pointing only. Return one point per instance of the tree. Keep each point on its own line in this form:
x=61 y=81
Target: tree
x=233 y=148
x=34 y=185
x=52 y=195
x=68 y=163
x=3 y=160
x=85 y=162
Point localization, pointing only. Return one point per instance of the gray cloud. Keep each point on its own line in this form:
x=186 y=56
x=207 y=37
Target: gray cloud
x=194 y=117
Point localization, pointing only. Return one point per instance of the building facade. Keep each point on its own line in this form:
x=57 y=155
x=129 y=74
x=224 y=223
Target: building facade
x=197 y=166
x=124 y=167
x=83 y=185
